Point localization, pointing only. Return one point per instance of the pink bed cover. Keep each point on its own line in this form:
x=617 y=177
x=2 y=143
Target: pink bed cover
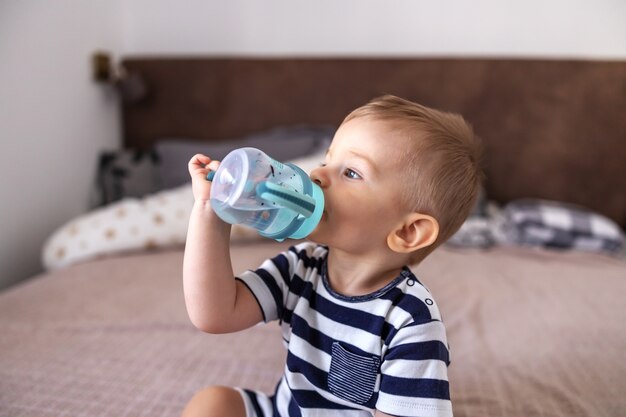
x=531 y=332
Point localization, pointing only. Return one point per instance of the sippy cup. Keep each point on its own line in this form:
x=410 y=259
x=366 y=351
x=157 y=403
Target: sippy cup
x=279 y=200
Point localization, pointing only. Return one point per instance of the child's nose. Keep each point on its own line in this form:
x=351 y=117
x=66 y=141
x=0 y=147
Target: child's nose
x=318 y=177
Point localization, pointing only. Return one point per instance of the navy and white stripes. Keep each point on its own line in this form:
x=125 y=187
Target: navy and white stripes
x=352 y=376
x=386 y=350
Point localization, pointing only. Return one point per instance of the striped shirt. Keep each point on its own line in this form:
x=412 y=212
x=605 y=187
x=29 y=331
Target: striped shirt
x=383 y=351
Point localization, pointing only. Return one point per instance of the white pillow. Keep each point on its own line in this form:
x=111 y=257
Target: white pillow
x=156 y=221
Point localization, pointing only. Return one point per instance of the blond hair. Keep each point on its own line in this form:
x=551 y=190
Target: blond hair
x=443 y=164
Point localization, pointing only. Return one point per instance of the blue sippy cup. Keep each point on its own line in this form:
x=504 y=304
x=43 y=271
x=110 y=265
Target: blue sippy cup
x=279 y=200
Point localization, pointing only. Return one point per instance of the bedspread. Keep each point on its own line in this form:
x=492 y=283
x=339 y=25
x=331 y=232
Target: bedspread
x=531 y=333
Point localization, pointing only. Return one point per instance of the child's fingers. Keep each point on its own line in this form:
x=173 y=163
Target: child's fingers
x=213 y=165
x=200 y=166
x=198 y=161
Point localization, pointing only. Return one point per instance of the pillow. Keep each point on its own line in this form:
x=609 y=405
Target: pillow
x=125 y=173
x=282 y=144
x=156 y=221
x=553 y=224
x=477 y=230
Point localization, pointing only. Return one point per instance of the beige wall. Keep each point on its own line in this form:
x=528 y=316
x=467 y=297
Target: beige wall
x=563 y=28
x=53 y=120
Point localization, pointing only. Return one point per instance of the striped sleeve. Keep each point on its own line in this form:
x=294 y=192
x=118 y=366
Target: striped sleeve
x=269 y=283
x=414 y=374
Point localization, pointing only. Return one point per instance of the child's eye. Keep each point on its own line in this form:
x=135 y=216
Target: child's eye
x=351 y=174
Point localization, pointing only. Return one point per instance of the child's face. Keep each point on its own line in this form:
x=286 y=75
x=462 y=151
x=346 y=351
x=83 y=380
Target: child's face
x=362 y=182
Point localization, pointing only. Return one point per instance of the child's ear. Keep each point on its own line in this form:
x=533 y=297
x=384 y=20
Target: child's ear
x=415 y=232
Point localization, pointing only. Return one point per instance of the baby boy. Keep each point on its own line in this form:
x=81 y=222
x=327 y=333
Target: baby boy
x=364 y=335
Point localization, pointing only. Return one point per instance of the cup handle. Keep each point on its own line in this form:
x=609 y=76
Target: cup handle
x=284 y=197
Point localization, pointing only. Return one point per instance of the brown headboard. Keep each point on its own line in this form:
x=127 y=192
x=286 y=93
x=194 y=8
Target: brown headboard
x=552 y=129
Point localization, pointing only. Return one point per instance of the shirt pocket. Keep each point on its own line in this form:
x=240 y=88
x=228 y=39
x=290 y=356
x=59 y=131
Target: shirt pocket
x=352 y=377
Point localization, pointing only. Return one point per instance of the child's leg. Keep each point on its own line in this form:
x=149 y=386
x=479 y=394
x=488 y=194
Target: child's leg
x=216 y=402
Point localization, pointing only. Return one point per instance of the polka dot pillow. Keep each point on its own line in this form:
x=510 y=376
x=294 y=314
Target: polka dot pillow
x=154 y=222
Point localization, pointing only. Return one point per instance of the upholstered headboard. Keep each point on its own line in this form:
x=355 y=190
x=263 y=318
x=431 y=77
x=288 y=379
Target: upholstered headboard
x=552 y=129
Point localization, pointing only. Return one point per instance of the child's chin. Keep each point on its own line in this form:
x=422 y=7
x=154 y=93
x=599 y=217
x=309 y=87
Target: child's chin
x=316 y=236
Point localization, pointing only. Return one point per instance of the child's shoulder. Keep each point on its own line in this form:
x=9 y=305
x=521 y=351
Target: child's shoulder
x=419 y=299
x=309 y=250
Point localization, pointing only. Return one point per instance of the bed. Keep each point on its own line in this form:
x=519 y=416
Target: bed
x=533 y=330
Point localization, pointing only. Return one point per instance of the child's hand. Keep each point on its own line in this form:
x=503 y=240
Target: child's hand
x=199 y=166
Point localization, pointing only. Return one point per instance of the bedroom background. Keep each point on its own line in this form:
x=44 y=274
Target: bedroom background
x=54 y=120
x=531 y=294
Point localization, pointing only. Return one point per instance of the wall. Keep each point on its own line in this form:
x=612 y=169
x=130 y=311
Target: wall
x=53 y=120
x=555 y=28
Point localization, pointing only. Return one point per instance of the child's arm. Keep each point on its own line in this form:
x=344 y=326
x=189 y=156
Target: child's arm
x=216 y=302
